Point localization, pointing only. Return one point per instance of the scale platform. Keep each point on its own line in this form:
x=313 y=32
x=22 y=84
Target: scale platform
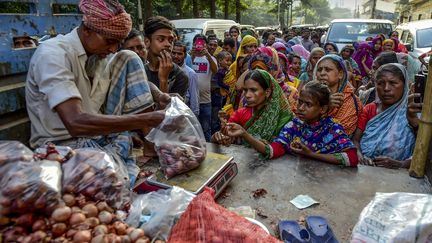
x=216 y=171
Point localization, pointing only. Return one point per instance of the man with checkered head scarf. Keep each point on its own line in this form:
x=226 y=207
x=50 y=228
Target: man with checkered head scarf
x=82 y=92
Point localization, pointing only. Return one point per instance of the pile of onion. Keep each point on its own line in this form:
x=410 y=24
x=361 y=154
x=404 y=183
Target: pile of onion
x=76 y=220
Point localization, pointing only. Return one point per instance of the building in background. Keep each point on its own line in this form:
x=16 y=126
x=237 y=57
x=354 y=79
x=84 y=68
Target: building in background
x=384 y=9
x=413 y=10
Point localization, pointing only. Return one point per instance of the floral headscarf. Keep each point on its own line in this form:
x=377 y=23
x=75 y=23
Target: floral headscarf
x=267 y=122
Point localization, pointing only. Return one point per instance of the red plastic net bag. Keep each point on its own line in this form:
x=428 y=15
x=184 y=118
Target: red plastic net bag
x=206 y=221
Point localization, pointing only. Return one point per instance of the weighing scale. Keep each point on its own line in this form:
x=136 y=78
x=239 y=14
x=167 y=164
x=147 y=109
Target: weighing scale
x=216 y=171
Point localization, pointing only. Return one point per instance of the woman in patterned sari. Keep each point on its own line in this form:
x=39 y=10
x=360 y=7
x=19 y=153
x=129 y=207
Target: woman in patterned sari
x=266 y=112
x=345 y=106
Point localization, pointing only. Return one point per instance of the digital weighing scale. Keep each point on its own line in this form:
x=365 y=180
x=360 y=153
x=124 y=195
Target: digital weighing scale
x=216 y=171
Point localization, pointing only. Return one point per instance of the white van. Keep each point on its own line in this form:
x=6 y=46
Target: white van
x=188 y=28
x=416 y=36
x=347 y=31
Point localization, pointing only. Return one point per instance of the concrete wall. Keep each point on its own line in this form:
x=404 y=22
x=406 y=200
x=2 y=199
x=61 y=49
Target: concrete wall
x=425 y=9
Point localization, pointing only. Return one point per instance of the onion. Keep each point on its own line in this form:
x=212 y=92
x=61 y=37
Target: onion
x=92 y=222
x=39 y=224
x=61 y=214
x=58 y=229
x=136 y=234
x=113 y=238
x=77 y=218
x=125 y=239
x=76 y=209
x=103 y=206
x=38 y=236
x=143 y=240
x=100 y=230
x=69 y=188
x=26 y=219
x=70 y=233
x=5 y=202
x=120 y=227
x=82 y=236
x=69 y=200
x=99 y=239
x=105 y=217
x=90 y=210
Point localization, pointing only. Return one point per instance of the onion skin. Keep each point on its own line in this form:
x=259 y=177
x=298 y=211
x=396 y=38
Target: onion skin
x=99 y=239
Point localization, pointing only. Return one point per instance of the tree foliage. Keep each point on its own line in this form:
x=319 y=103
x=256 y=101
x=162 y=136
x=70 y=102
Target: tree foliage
x=314 y=11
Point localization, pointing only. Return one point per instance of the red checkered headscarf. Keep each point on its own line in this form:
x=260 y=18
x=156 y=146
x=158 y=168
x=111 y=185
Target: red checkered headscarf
x=106 y=17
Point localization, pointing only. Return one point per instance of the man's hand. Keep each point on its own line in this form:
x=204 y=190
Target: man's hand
x=386 y=162
x=300 y=148
x=165 y=67
x=163 y=100
x=336 y=100
x=152 y=119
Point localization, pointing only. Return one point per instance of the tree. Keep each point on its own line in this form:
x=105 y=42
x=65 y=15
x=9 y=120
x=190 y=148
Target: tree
x=212 y=8
x=314 y=11
x=195 y=8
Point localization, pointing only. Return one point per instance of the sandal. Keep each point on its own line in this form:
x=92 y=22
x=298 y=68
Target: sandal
x=319 y=229
x=291 y=232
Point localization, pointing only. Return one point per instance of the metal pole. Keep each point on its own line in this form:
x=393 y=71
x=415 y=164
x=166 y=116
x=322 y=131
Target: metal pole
x=140 y=17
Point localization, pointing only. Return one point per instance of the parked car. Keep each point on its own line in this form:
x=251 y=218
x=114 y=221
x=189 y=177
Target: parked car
x=347 y=31
x=188 y=28
x=416 y=36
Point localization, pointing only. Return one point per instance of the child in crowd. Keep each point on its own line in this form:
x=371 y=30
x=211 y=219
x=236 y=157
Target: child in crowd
x=311 y=133
x=224 y=60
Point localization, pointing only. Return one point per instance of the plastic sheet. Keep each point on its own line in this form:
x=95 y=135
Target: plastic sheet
x=395 y=217
x=29 y=186
x=13 y=151
x=157 y=212
x=179 y=140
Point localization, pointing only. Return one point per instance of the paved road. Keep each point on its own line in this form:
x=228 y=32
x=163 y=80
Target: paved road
x=342 y=192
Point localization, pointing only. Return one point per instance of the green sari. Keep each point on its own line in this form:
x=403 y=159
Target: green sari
x=266 y=123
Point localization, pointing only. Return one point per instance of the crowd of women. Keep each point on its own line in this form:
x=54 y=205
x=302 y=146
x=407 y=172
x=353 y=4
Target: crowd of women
x=345 y=107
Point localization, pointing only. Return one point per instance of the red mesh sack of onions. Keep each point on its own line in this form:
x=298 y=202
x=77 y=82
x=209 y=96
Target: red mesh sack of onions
x=97 y=175
x=179 y=140
x=29 y=186
x=206 y=221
